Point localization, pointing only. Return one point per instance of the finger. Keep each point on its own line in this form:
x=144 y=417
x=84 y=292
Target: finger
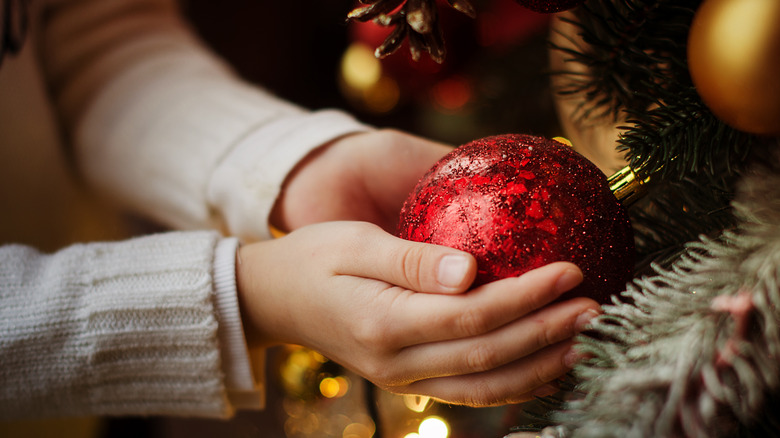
x=515 y=382
x=523 y=337
x=423 y=318
x=416 y=266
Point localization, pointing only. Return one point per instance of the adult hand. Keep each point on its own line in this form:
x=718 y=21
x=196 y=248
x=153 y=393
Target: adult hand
x=364 y=177
x=349 y=291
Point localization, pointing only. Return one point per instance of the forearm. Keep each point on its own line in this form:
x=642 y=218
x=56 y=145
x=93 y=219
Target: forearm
x=166 y=128
x=129 y=328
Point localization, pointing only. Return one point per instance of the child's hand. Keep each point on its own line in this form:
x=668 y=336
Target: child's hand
x=349 y=291
x=363 y=177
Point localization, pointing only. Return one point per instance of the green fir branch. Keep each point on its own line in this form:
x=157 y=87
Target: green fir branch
x=692 y=350
x=664 y=359
x=634 y=54
x=628 y=44
x=678 y=136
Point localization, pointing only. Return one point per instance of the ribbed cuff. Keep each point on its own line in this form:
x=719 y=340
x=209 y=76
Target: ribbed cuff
x=244 y=391
x=247 y=182
x=117 y=328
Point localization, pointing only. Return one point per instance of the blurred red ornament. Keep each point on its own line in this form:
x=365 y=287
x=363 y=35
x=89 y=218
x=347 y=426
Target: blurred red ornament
x=518 y=202
x=502 y=25
x=548 y=6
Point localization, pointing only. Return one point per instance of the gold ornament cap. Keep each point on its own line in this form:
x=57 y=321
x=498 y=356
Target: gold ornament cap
x=627 y=186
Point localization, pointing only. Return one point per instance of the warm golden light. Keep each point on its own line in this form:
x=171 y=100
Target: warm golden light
x=416 y=403
x=363 y=81
x=383 y=97
x=333 y=387
x=301 y=359
x=329 y=387
x=434 y=427
x=357 y=430
x=359 y=67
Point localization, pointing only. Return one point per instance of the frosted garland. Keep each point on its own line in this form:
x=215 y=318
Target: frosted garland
x=696 y=353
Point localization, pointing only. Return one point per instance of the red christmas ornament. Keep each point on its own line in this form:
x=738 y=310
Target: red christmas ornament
x=549 y=6
x=518 y=202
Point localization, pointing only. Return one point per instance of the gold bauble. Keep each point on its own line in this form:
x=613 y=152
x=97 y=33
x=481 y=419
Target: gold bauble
x=734 y=60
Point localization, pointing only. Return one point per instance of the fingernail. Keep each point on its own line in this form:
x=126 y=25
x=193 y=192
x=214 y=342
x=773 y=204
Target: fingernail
x=568 y=279
x=572 y=357
x=584 y=319
x=452 y=270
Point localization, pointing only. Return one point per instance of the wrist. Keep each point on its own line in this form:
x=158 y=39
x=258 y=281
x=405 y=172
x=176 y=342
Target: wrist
x=294 y=191
x=257 y=308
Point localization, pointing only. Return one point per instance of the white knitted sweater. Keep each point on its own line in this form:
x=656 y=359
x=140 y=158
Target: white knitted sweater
x=162 y=127
x=112 y=328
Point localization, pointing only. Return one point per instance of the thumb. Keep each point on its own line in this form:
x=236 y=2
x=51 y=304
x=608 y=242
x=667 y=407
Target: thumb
x=417 y=266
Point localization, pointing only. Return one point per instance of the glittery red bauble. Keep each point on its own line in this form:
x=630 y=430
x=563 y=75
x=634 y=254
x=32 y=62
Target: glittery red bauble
x=518 y=202
x=548 y=6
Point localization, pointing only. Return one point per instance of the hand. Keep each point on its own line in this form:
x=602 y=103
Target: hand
x=364 y=177
x=349 y=291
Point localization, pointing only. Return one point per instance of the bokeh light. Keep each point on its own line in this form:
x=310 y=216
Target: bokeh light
x=417 y=403
x=333 y=387
x=359 y=67
x=434 y=427
x=357 y=430
x=364 y=82
x=452 y=94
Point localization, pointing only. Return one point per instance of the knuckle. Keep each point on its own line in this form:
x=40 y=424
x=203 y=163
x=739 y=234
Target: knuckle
x=369 y=334
x=379 y=373
x=540 y=376
x=543 y=373
x=482 y=358
x=361 y=231
x=471 y=322
x=548 y=334
x=411 y=267
x=482 y=395
x=341 y=242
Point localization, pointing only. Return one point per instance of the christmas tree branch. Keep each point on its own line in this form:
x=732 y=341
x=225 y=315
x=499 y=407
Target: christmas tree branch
x=631 y=58
x=692 y=350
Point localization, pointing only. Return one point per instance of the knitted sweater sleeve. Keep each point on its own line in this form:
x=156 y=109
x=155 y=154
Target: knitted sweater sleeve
x=163 y=126
x=111 y=328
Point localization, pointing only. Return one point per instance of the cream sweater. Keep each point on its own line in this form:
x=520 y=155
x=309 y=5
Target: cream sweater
x=161 y=127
